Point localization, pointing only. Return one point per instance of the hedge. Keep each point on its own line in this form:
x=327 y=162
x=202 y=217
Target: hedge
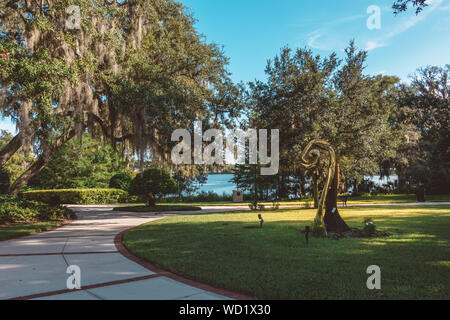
x=78 y=196
x=16 y=210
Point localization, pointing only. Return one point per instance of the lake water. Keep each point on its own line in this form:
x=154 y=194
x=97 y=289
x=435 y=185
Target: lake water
x=220 y=183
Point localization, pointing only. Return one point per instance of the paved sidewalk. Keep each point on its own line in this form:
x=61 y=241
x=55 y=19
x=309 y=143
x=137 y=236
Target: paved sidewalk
x=35 y=266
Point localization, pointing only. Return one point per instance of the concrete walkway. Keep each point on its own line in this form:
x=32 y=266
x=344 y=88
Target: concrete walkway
x=34 y=267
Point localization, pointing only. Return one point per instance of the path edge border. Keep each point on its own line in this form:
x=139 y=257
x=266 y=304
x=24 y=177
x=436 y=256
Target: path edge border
x=118 y=242
x=64 y=224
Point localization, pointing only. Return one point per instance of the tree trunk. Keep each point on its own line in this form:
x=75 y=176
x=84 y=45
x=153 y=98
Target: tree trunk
x=401 y=182
x=10 y=149
x=332 y=218
x=356 y=186
x=151 y=201
x=256 y=183
x=302 y=186
x=40 y=163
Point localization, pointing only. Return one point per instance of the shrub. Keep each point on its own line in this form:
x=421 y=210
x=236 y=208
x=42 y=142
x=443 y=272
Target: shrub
x=5 y=181
x=362 y=194
x=14 y=210
x=369 y=227
x=153 y=184
x=318 y=230
x=209 y=196
x=121 y=181
x=78 y=196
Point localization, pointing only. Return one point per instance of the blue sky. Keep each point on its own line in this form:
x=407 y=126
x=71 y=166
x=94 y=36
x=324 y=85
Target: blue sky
x=253 y=31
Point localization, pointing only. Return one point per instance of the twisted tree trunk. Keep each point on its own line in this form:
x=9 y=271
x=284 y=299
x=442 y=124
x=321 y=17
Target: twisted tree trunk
x=332 y=218
x=40 y=163
x=316 y=190
x=10 y=149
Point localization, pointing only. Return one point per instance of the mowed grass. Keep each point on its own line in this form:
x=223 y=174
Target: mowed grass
x=276 y=263
x=19 y=230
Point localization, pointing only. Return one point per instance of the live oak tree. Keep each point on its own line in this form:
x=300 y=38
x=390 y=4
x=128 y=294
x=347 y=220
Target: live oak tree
x=131 y=72
x=47 y=86
x=423 y=158
x=291 y=100
x=355 y=122
x=311 y=97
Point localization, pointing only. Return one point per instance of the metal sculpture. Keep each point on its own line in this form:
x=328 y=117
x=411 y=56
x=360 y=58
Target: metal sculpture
x=309 y=159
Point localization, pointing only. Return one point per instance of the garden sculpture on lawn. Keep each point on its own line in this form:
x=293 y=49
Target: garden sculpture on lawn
x=310 y=159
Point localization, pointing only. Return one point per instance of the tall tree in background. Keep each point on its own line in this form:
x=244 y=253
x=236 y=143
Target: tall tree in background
x=310 y=97
x=291 y=100
x=355 y=122
x=427 y=106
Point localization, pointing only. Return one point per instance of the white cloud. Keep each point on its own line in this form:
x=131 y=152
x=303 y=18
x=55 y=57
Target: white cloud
x=313 y=37
x=372 y=45
x=327 y=38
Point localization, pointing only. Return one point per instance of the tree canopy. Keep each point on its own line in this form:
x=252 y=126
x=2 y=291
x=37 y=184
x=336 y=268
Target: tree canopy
x=311 y=97
x=131 y=72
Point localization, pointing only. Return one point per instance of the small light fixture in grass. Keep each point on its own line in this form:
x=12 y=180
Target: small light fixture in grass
x=307 y=231
x=261 y=221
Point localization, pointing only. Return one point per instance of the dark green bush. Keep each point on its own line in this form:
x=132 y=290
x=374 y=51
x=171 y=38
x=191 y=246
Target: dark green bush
x=318 y=230
x=121 y=181
x=369 y=227
x=78 y=196
x=153 y=184
x=5 y=181
x=209 y=196
x=15 y=210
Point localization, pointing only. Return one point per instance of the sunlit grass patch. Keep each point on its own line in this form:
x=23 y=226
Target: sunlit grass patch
x=276 y=263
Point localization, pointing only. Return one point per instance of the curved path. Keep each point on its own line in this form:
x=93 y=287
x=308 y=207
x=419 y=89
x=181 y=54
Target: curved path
x=34 y=267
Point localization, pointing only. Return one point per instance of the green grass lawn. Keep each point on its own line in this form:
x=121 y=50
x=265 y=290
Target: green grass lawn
x=275 y=263
x=379 y=199
x=19 y=230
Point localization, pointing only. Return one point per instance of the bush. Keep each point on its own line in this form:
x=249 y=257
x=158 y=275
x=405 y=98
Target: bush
x=5 y=181
x=369 y=227
x=361 y=195
x=15 y=210
x=78 y=196
x=121 y=181
x=153 y=184
x=318 y=230
x=209 y=196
